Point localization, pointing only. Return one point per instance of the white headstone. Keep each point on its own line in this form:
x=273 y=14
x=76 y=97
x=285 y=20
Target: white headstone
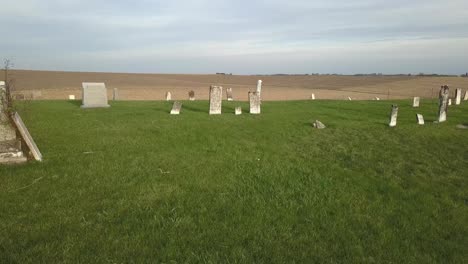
x=254 y=100
x=319 y=125
x=465 y=98
x=443 y=103
x=71 y=97
x=458 y=94
x=259 y=87
x=393 y=116
x=2 y=83
x=450 y=101
x=420 y=119
x=27 y=137
x=238 y=110
x=216 y=99
x=416 y=101
x=377 y=98
x=312 y=97
x=176 y=108
x=350 y=99
x=168 y=96
x=229 y=94
x=94 y=95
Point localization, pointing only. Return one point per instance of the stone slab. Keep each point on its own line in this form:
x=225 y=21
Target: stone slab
x=393 y=116
x=420 y=119
x=458 y=96
x=312 y=96
x=176 y=107
x=254 y=102
x=27 y=137
x=229 y=94
x=71 y=97
x=94 y=95
x=416 y=101
x=238 y=110
x=443 y=103
x=7 y=130
x=319 y=125
x=216 y=99
x=168 y=96
x=465 y=98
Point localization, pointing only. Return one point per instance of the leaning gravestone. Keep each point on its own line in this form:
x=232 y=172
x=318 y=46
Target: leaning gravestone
x=27 y=137
x=416 y=101
x=216 y=99
x=191 y=95
x=168 y=96
x=238 y=110
x=229 y=94
x=176 y=108
x=254 y=100
x=319 y=125
x=393 y=116
x=350 y=99
x=94 y=95
x=443 y=103
x=420 y=119
x=458 y=94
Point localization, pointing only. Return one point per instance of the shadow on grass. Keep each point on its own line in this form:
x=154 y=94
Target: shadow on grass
x=76 y=103
x=194 y=109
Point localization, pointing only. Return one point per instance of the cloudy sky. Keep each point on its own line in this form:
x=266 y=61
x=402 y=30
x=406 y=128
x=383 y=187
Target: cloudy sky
x=238 y=36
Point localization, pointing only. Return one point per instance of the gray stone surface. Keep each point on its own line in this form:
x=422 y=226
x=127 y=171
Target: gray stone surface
x=115 y=94
x=216 y=99
x=443 y=103
x=7 y=131
x=176 y=107
x=229 y=94
x=191 y=95
x=168 y=96
x=319 y=125
x=393 y=116
x=27 y=137
x=416 y=101
x=420 y=119
x=254 y=101
x=94 y=95
x=238 y=110
x=465 y=98
x=458 y=96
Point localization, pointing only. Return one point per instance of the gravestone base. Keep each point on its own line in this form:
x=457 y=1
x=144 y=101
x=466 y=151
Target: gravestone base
x=11 y=153
x=94 y=106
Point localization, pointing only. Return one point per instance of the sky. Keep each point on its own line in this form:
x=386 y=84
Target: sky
x=237 y=36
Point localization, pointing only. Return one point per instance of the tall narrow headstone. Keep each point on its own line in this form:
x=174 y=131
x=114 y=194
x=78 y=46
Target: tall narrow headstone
x=259 y=87
x=393 y=116
x=238 y=110
x=312 y=97
x=191 y=95
x=443 y=103
x=115 y=95
x=420 y=119
x=94 y=95
x=254 y=100
x=216 y=99
x=450 y=102
x=416 y=101
x=465 y=98
x=229 y=94
x=458 y=94
x=7 y=131
x=176 y=108
x=168 y=96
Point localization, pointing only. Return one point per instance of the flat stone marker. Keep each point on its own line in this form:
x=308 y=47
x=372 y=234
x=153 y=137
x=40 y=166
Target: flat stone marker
x=168 y=96
x=443 y=103
x=393 y=116
x=254 y=100
x=176 y=108
x=465 y=98
x=319 y=125
x=216 y=99
x=115 y=94
x=416 y=101
x=94 y=95
x=420 y=119
x=229 y=94
x=191 y=95
x=238 y=110
x=27 y=137
x=312 y=96
x=71 y=97
x=458 y=94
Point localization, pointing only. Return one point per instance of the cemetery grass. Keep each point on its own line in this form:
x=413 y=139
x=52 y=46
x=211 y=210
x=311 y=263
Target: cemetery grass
x=133 y=184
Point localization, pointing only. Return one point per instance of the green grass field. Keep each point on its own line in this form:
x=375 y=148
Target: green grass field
x=133 y=184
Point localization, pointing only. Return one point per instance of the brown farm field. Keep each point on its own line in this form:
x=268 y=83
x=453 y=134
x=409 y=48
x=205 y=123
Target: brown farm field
x=58 y=85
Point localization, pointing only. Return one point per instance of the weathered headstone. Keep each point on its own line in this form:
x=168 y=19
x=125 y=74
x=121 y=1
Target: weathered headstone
x=465 y=98
x=254 y=100
x=377 y=98
x=458 y=94
x=27 y=137
x=319 y=125
x=168 y=96
x=238 y=110
x=191 y=95
x=416 y=101
x=312 y=97
x=71 y=97
x=94 y=95
x=420 y=119
x=450 y=101
x=259 y=88
x=393 y=116
x=115 y=94
x=229 y=94
x=7 y=131
x=216 y=99
x=350 y=99
x=443 y=103
x=176 y=108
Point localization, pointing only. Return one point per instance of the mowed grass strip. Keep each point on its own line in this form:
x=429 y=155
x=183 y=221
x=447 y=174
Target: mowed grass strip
x=134 y=184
